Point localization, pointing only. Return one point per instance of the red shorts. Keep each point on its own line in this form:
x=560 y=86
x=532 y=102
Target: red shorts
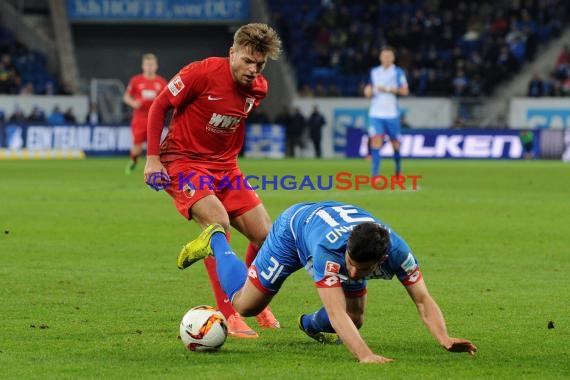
x=189 y=183
x=138 y=130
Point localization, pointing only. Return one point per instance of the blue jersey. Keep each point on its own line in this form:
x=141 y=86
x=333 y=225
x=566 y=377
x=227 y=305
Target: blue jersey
x=384 y=105
x=315 y=236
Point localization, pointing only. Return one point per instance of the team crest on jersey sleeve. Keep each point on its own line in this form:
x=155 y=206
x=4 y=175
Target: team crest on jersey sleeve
x=332 y=268
x=249 y=102
x=331 y=278
x=176 y=85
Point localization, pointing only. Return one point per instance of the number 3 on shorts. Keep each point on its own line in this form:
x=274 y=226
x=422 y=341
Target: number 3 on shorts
x=273 y=271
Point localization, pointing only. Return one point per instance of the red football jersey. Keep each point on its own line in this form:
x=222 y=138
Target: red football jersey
x=210 y=109
x=145 y=90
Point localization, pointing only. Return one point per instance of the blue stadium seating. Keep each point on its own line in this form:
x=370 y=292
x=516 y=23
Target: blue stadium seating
x=30 y=65
x=393 y=22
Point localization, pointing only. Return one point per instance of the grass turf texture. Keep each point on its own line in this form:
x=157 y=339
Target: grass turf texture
x=90 y=288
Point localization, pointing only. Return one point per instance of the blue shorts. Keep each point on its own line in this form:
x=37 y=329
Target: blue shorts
x=390 y=127
x=278 y=259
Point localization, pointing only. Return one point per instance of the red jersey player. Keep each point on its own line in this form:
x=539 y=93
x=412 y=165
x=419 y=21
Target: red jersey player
x=211 y=100
x=140 y=93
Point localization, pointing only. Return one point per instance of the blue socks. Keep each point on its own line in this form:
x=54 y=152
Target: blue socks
x=375 y=153
x=397 y=160
x=317 y=322
x=231 y=271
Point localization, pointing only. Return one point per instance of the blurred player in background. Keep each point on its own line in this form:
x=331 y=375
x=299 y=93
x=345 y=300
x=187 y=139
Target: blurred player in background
x=527 y=141
x=341 y=246
x=140 y=93
x=211 y=100
x=386 y=83
x=316 y=122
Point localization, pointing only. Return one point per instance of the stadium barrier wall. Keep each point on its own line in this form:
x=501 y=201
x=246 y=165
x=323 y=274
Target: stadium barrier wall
x=539 y=113
x=448 y=144
x=78 y=103
x=18 y=139
x=268 y=141
x=93 y=140
x=554 y=143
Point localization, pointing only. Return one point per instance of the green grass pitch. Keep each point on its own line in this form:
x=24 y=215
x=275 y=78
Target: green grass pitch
x=90 y=289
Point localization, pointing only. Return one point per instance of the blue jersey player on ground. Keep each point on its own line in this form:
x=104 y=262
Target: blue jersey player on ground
x=386 y=83
x=341 y=246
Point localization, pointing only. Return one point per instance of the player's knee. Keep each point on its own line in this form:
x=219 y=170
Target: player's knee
x=226 y=225
x=225 y=222
x=213 y=216
x=376 y=141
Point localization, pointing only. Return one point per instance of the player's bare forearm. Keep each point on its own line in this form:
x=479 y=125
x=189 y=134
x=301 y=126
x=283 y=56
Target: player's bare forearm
x=350 y=336
x=403 y=91
x=335 y=304
x=130 y=101
x=433 y=319
x=348 y=333
x=429 y=311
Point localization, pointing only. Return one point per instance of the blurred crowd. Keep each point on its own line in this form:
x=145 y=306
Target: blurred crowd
x=557 y=83
x=446 y=47
x=24 y=72
x=56 y=116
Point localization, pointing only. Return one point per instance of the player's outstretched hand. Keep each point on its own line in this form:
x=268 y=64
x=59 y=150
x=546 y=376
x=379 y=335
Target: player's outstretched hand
x=461 y=345
x=376 y=359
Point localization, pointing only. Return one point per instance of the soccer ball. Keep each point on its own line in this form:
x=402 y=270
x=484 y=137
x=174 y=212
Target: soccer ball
x=203 y=328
